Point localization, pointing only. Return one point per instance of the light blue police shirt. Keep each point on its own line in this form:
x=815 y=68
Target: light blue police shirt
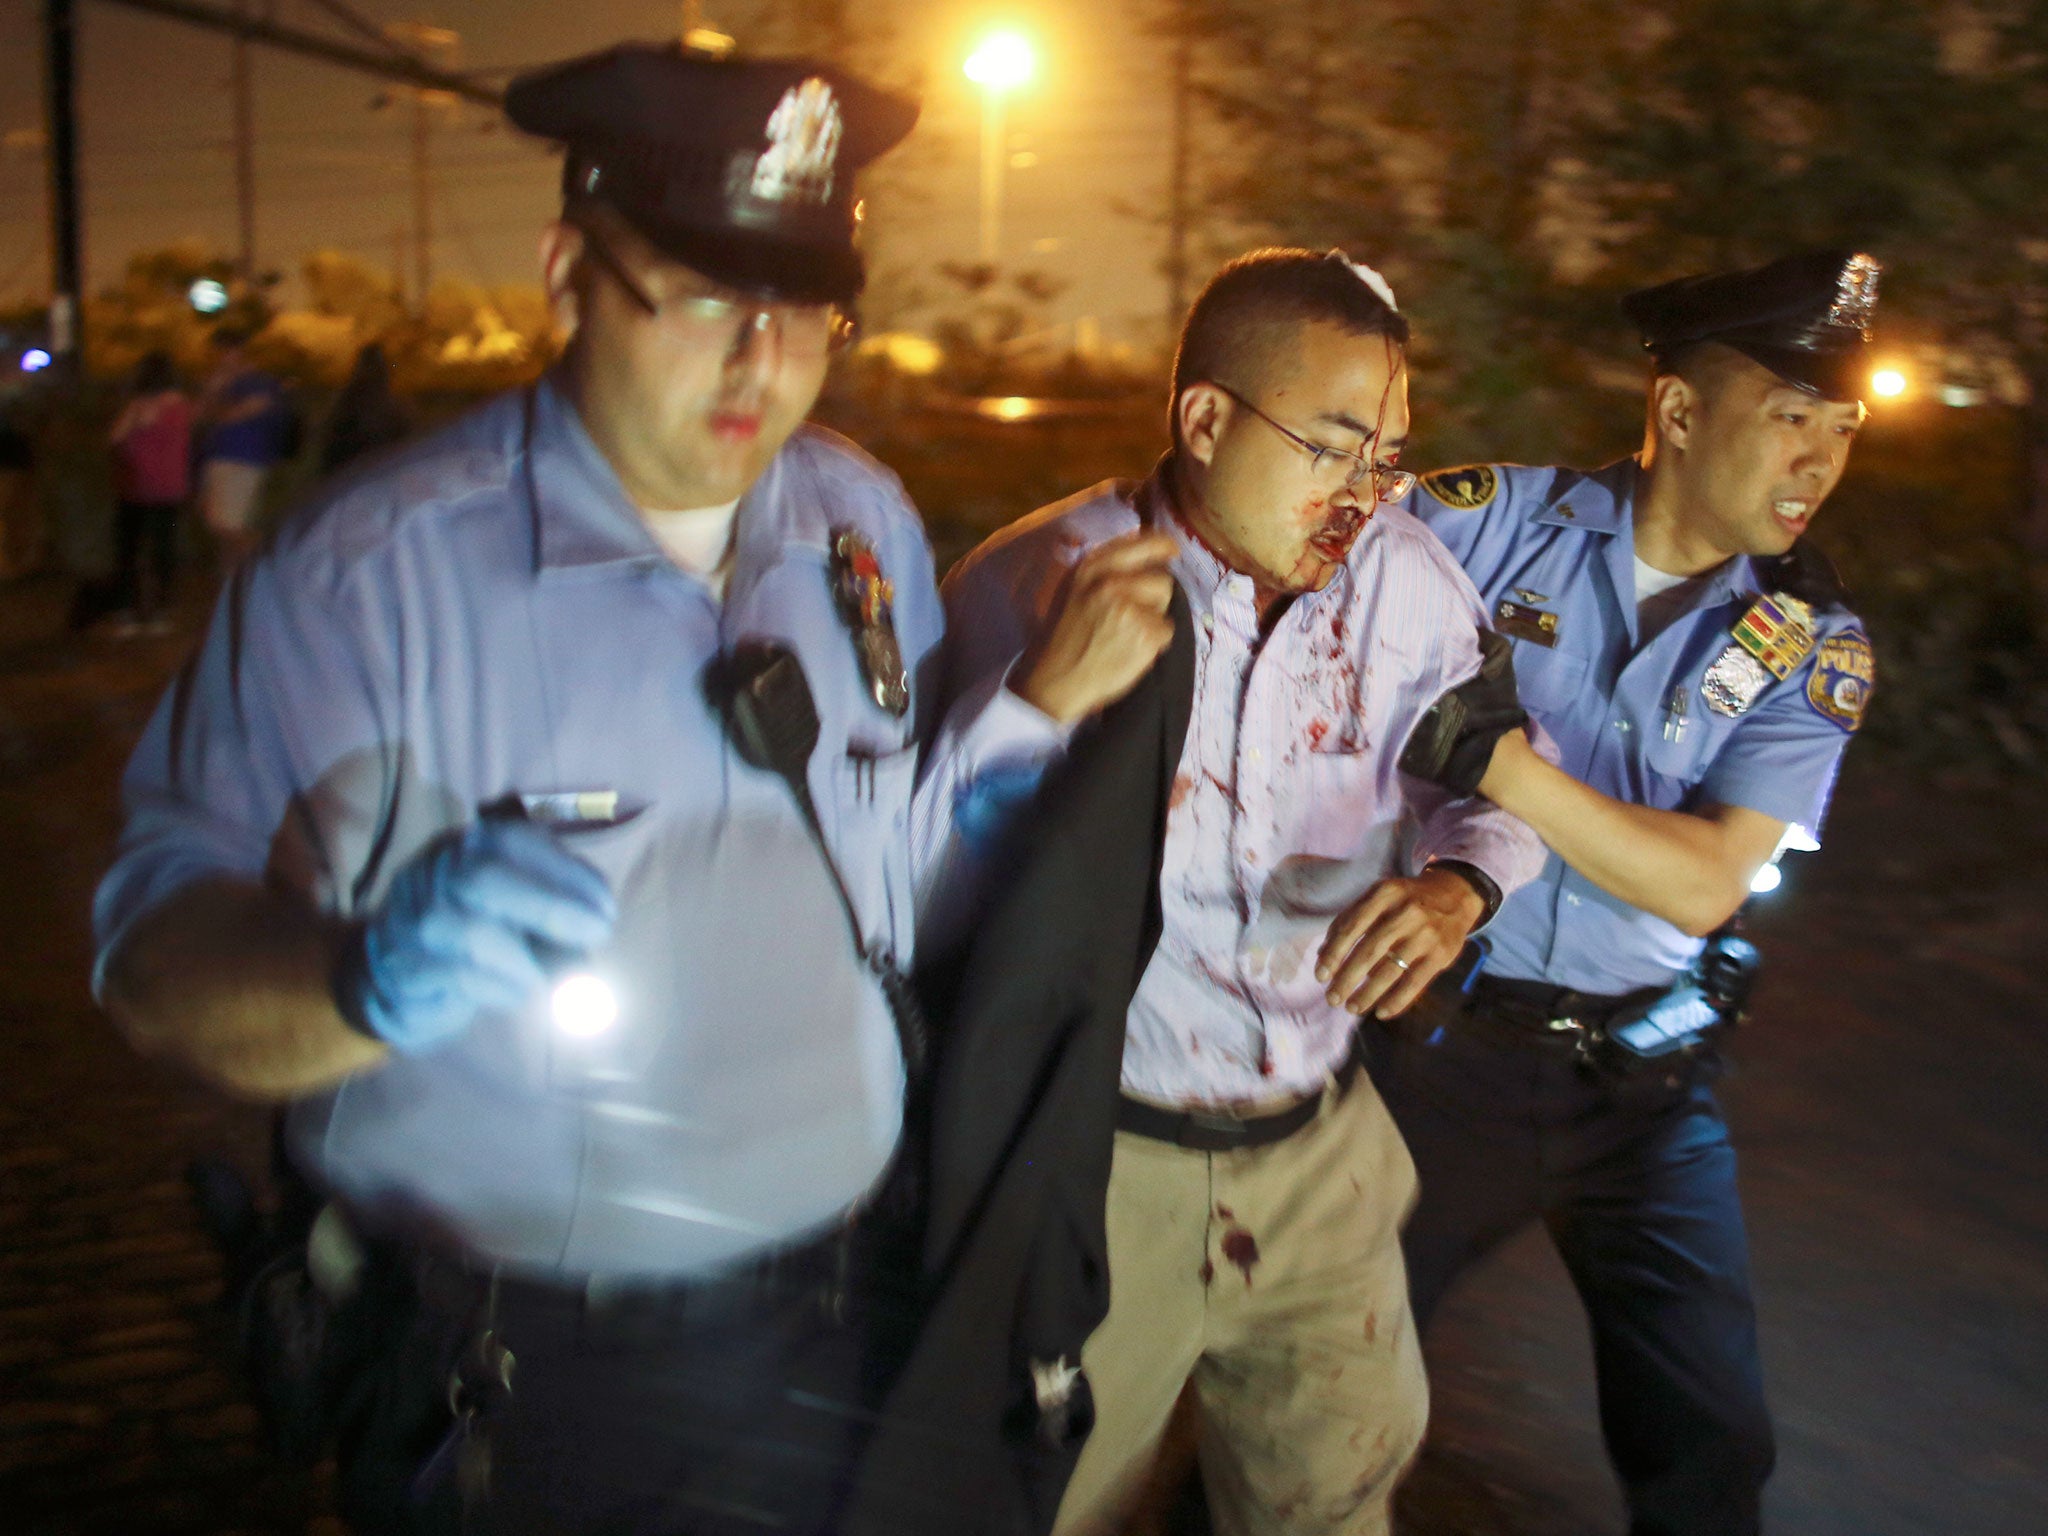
x=1561 y=542
x=487 y=614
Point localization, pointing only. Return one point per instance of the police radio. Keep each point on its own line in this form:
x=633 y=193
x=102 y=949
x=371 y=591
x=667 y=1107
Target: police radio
x=1685 y=1019
x=760 y=690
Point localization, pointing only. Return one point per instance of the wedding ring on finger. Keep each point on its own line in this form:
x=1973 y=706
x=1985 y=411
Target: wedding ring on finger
x=1403 y=964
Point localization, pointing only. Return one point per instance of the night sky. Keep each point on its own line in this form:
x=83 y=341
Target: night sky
x=334 y=171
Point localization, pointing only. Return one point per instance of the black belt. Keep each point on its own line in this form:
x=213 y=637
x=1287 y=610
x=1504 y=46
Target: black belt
x=1215 y=1131
x=648 y=1309
x=1539 y=1013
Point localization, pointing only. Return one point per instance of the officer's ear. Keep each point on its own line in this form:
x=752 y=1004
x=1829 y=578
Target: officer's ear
x=1200 y=413
x=1674 y=408
x=561 y=257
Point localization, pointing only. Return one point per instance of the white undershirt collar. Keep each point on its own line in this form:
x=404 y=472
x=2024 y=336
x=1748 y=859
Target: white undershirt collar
x=699 y=539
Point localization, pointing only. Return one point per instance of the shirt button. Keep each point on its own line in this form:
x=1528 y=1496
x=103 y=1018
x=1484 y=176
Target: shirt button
x=1208 y=624
x=1571 y=900
x=1622 y=726
x=1254 y=754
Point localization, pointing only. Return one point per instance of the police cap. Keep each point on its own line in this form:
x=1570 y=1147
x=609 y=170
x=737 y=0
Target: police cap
x=1805 y=317
x=741 y=169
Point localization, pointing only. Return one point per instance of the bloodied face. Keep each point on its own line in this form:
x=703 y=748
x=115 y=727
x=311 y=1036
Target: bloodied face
x=1259 y=481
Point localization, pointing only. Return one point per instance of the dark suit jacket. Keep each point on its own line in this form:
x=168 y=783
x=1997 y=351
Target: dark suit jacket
x=1022 y=1116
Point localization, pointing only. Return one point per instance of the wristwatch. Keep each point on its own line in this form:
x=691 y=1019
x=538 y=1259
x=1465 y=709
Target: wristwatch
x=1479 y=880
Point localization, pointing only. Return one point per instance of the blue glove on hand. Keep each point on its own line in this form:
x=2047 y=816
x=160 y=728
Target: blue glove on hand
x=474 y=924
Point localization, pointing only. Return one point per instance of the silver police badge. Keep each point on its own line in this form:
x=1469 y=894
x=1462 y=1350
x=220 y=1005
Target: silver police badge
x=863 y=596
x=1855 y=292
x=803 y=146
x=1734 y=681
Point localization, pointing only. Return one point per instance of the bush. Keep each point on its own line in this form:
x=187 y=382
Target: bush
x=1926 y=531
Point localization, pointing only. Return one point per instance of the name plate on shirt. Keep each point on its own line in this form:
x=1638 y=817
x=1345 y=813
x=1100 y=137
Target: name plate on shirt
x=1519 y=621
x=574 y=808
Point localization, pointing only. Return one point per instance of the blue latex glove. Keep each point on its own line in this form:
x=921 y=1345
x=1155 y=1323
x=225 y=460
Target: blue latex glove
x=474 y=924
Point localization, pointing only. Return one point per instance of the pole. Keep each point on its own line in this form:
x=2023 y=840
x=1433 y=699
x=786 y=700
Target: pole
x=245 y=147
x=1177 y=176
x=991 y=175
x=423 y=37
x=422 y=203
x=66 y=260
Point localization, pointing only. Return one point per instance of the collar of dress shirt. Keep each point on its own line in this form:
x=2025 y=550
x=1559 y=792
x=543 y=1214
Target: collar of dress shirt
x=584 y=520
x=1737 y=576
x=582 y=514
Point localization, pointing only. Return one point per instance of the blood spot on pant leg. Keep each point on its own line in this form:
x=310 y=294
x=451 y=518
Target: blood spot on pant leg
x=1224 y=1213
x=1207 y=1272
x=1372 y=1326
x=1242 y=1249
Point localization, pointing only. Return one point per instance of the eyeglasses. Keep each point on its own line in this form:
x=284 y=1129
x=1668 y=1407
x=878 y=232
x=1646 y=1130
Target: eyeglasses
x=807 y=331
x=1335 y=467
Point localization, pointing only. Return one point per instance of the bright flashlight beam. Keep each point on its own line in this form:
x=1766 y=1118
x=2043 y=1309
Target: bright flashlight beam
x=584 y=1005
x=1003 y=61
x=1888 y=383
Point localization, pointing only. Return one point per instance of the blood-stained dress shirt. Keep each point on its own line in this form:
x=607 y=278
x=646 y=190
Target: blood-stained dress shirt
x=1288 y=805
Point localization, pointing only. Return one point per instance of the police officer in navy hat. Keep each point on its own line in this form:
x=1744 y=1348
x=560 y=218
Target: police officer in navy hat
x=1700 y=673
x=536 y=822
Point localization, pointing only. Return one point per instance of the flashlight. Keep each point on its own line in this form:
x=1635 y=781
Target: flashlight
x=1769 y=877
x=584 y=1005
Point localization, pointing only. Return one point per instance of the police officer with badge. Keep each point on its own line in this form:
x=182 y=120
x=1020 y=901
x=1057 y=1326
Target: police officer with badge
x=535 y=820
x=1694 y=661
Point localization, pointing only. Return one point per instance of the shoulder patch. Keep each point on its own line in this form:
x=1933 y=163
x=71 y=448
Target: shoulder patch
x=1844 y=672
x=1467 y=489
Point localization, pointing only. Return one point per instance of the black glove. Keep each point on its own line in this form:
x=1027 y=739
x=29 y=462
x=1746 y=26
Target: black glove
x=1454 y=741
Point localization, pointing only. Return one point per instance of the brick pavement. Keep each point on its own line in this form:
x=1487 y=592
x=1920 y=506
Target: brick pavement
x=115 y=1415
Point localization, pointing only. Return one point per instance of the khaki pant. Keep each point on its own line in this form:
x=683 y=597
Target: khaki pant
x=1270 y=1282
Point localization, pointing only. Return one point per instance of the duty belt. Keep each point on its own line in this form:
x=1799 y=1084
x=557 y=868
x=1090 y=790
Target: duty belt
x=1539 y=1015
x=818 y=1268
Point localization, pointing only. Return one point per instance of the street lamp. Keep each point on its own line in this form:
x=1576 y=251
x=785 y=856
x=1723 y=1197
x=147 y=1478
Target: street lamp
x=1001 y=63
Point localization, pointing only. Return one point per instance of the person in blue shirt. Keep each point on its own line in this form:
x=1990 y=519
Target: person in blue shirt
x=1700 y=674
x=246 y=421
x=490 y=830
